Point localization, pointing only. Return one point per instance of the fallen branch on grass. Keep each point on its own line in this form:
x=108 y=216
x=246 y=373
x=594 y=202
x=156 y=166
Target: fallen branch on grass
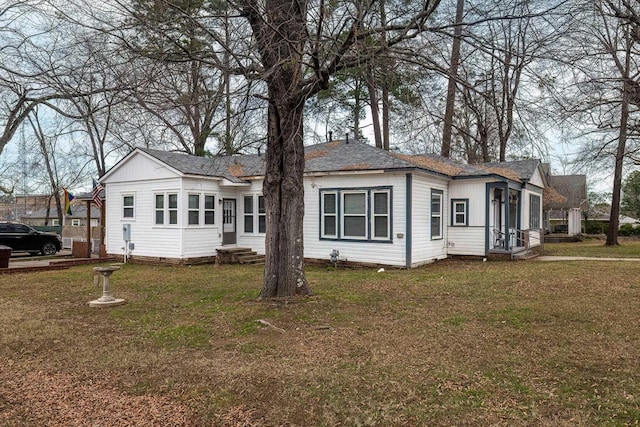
x=264 y=322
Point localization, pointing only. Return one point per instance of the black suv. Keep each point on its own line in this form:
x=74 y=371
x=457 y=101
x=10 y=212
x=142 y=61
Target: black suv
x=22 y=238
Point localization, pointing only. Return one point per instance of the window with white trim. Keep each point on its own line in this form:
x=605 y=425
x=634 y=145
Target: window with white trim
x=172 y=208
x=262 y=215
x=436 y=214
x=165 y=208
x=459 y=212
x=534 y=211
x=255 y=214
x=159 y=209
x=75 y=222
x=55 y=222
x=329 y=216
x=128 y=206
x=356 y=214
x=193 y=211
x=209 y=209
x=381 y=217
x=248 y=214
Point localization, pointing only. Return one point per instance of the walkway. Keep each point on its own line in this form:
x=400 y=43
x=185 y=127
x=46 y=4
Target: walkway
x=579 y=258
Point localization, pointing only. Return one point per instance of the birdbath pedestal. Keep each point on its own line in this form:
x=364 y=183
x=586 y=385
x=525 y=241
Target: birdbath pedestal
x=106 y=300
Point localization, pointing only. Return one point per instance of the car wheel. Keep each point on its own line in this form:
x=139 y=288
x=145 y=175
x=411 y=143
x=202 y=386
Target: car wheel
x=49 y=249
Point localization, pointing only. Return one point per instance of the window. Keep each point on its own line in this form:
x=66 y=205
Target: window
x=166 y=206
x=459 y=216
x=250 y=217
x=159 y=209
x=55 y=222
x=534 y=211
x=381 y=215
x=262 y=215
x=209 y=209
x=248 y=214
x=436 y=214
x=173 y=208
x=329 y=215
x=354 y=215
x=193 y=213
x=75 y=223
x=128 y=206
x=359 y=214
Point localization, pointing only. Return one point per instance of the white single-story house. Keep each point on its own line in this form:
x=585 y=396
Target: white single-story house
x=371 y=205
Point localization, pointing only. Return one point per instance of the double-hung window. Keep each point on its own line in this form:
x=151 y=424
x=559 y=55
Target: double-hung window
x=128 y=206
x=209 y=209
x=459 y=212
x=248 y=214
x=436 y=214
x=193 y=212
x=166 y=209
x=381 y=217
x=329 y=215
x=262 y=215
x=534 y=211
x=356 y=214
x=255 y=214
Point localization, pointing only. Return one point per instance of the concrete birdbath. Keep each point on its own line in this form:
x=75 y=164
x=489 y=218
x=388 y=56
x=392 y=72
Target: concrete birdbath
x=106 y=300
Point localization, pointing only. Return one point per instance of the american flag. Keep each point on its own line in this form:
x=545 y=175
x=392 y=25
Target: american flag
x=97 y=189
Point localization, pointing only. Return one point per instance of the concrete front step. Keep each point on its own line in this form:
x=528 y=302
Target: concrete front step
x=239 y=256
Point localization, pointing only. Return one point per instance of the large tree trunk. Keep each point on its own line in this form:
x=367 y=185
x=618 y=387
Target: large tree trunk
x=612 y=232
x=284 y=200
x=283 y=184
x=447 y=130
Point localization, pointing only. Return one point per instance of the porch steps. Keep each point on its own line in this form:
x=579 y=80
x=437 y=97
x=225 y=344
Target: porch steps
x=239 y=256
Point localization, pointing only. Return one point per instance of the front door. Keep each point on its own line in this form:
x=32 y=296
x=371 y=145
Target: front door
x=228 y=221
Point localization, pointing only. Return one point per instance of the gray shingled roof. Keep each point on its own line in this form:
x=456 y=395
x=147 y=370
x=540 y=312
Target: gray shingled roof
x=572 y=187
x=341 y=156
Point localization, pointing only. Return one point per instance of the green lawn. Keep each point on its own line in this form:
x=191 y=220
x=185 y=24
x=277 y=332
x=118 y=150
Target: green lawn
x=452 y=343
x=595 y=247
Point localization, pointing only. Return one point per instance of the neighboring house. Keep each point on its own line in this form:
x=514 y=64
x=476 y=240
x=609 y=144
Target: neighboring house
x=13 y=208
x=370 y=205
x=78 y=217
x=565 y=200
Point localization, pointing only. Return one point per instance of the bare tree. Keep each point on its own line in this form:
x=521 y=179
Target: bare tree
x=603 y=98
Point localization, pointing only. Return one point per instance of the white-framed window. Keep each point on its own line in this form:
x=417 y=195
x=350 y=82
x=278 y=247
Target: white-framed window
x=75 y=222
x=128 y=206
x=356 y=214
x=329 y=215
x=534 y=211
x=172 y=208
x=166 y=208
x=262 y=215
x=255 y=214
x=159 y=209
x=193 y=211
x=248 y=214
x=381 y=217
x=209 y=209
x=55 y=222
x=436 y=214
x=459 y=212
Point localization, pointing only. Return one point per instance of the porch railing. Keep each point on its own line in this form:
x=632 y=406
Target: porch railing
x=516 y=238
